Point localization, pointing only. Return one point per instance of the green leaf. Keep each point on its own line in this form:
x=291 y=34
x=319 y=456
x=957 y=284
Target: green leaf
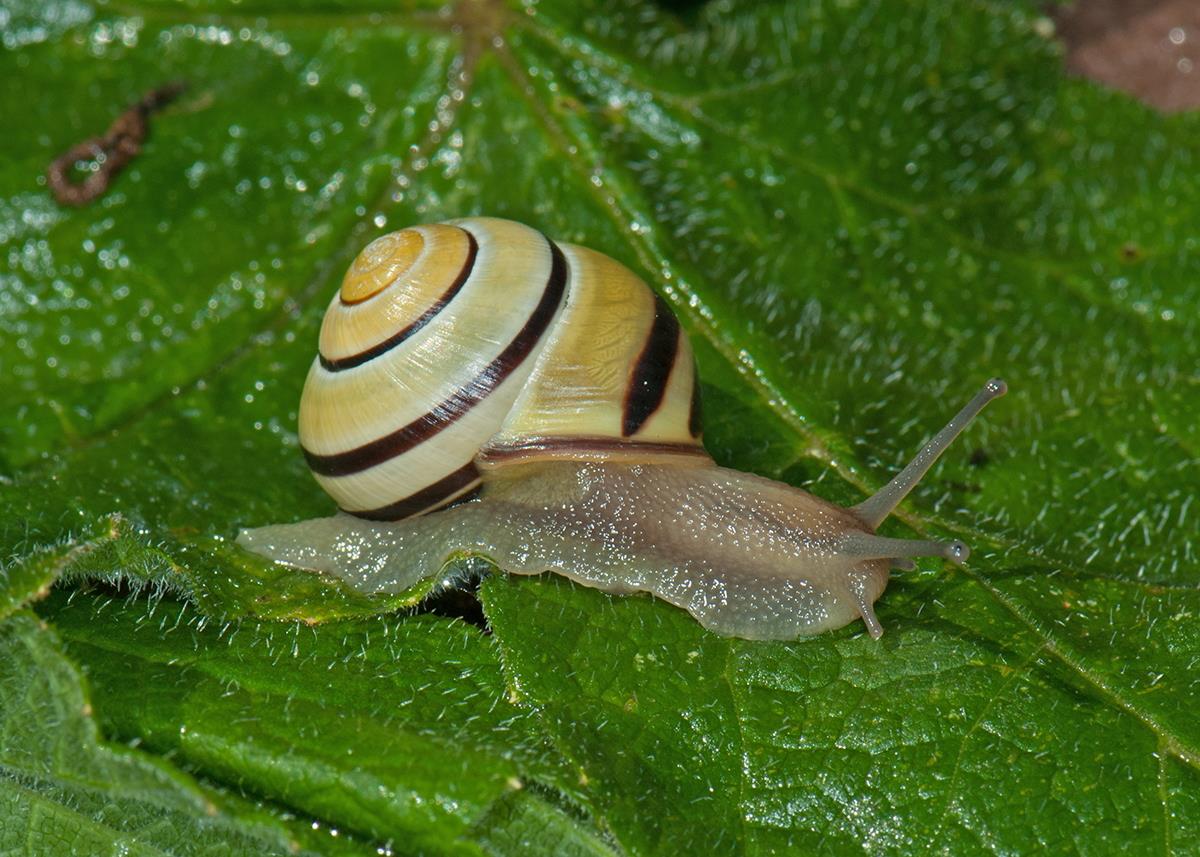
x=859 y=210
x=64 y=790
x=395 y=731
x=29 y=577
x=945 y=737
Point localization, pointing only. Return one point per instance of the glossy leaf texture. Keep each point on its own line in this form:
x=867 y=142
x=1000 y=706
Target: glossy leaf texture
x=63 y=790
x=860 y=210
x=397 y=731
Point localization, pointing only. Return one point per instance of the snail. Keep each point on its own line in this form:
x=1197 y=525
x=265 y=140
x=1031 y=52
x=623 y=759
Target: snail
x=546 y=396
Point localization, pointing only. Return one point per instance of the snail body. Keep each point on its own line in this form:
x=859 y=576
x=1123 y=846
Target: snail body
x=547 y=391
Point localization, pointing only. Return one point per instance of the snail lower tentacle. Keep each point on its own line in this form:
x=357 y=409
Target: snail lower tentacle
x=545 y=390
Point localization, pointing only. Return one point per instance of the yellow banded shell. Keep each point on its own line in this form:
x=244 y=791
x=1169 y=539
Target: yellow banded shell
x=469 y=344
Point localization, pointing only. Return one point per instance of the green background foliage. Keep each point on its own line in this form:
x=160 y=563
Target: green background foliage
x=859 y=209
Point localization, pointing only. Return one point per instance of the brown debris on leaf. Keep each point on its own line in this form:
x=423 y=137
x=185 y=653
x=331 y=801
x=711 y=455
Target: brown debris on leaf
x=1148 y=48
x=119 y=145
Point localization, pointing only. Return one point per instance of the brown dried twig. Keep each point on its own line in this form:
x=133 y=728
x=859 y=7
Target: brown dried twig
x=120 y=144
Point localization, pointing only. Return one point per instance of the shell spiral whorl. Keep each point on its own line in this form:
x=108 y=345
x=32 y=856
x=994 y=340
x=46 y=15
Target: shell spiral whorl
x=478 y=343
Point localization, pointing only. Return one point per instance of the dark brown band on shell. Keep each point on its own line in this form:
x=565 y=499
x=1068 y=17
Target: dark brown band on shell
x=585 y=449
x=695 y=415
x=457 y=483
x=652 y=372
x=341 y=363
x=445 y=413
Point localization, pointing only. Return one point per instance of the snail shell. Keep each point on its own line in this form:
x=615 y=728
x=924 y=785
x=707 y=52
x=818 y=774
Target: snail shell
x=481 y=339
x=549 y=390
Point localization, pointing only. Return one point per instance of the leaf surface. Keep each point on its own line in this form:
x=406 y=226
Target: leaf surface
x=396 y=732
x=859 y=211
x=65 y=790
